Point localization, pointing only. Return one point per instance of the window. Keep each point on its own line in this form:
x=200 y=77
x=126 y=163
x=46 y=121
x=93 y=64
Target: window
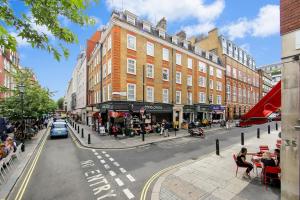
x=131 y=42
x=178 y=77
x=150 y=71
x=165 y=96
x=165 y=54
x=211 y=70
x=150 y=94
x=161 y=33
x=109 y=92
x=104 y=70
x=234 y=90
x=210 y=98
x=202 y=81
x=202 y=97
x=174 y=40
x=178 y=97
x=240 y=95
x=147 y=27
x=202 y=67
x=189 y=98
x=109 y=42
x=219 y=73
x=190 y=63
x=234 y=72
x=150 y=49
x=211 y=84
x=178 y=59
x=219 y=99
x=165 y=74
x=104 y=94
x=131 y=19
x=189 y=80
x=244 y=96
x=131 y=92
x=109 y=67
x=131 y=66
x=228 y=93
x=219 y=86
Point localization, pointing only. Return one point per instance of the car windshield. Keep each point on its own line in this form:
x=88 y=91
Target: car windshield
x=59 y=125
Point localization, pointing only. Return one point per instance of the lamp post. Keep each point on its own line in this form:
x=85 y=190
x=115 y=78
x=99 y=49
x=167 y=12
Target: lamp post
x=21 y=88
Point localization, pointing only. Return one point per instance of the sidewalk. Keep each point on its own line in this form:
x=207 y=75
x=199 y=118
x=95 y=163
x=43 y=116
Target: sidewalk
x=109 y=142
x=213 y=177
x=19 y=165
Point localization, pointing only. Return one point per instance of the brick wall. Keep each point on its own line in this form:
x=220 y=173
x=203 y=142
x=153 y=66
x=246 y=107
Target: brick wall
x=289 y=16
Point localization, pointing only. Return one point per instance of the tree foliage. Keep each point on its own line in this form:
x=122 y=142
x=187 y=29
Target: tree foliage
x=46 y=14
x=60 y=103
x=37 y=100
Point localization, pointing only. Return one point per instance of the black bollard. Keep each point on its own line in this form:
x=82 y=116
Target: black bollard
x=82 y=134
x=89 y=138
x=82 y=131
x=143 y=136
x=78 y=129
x=242 y=138
x=276 y=126
x=217 y=147
x=75 y=127
x=175 y=130
x=258 y=133
x=269 y=129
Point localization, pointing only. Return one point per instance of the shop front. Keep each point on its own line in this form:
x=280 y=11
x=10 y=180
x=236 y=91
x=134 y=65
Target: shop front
x=188 y=113
x=203 y=111
x=218 y=113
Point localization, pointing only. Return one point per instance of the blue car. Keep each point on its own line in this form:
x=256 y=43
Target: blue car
x=59 y=129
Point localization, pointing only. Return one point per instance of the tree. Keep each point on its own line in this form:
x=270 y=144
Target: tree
x=45 y=14
x=37 y=100
x=60 y=103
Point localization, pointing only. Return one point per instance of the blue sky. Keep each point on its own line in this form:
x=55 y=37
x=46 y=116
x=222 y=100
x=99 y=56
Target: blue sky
x=252 y=24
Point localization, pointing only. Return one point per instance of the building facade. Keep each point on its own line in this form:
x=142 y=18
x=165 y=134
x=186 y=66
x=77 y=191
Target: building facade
x=266 y=83
x=241 y=78
x=290 y=112
x=274 y=70
x=138 y=66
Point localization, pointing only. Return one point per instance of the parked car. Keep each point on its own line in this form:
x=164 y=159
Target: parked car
x=59 y=129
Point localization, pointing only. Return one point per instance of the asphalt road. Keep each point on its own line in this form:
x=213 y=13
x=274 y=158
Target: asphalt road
x=65 y=171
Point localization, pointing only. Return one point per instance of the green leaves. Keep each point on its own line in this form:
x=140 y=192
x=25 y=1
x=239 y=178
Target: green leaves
x=43 y=23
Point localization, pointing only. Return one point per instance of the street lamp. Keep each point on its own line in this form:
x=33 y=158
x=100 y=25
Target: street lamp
x=21 y=88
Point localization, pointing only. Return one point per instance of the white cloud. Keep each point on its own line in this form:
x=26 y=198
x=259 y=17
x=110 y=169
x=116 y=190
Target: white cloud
x=20 y=41
x=173 y=10
x=266 y=23
x=201 y=28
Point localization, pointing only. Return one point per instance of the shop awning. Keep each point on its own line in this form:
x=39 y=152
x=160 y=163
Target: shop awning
x=270 y=103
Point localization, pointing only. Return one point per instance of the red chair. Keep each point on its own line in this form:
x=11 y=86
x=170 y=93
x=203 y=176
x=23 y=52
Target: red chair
x=271 y=170
x=263 y=148
x=278 y=141
x=237 y=167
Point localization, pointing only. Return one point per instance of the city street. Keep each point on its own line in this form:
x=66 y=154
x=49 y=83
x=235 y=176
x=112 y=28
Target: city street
x=65 y=171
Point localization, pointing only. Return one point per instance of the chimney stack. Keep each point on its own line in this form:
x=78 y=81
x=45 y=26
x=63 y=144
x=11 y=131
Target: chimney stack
x=162 y=24
x=181 y=35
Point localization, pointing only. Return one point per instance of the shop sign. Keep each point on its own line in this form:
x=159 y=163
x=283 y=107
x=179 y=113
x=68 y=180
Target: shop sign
x=153 y=107
x=217 y=107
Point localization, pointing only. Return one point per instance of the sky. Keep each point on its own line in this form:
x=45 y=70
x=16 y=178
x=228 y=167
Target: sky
x=251 y=24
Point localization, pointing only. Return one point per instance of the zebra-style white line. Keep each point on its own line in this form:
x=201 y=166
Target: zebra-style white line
x=111 y=159
x=106 y=166
x=107 y=155
x=119 y=182
x=102 y=161
x=96 y=154
x=123 y=170
x=99 y=157
x=130 y=177
x=117 y=164
x=112 y=173
x=128 y=193
x=94 y=150
x=104 y=152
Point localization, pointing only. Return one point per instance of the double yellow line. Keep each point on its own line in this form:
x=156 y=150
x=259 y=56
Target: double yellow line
x=158 y=174
x=30 y=171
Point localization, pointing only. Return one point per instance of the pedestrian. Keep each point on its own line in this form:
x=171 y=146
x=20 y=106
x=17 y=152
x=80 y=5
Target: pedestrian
x=241 y=161
x=277 y=154
x=163 y=125
x=167 y=127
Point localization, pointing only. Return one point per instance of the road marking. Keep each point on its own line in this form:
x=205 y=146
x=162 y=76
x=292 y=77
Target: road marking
x=123 y=170
x=117 y=164
x=104 y=152
x=96 y=154
x=112 y=173
x=102 y=161
x=130 y=178
x=128 y=193
x=119 y=182
x=107 y=155
x=94 y=150
x=111 y=159
x=99 y=157
x=106 y=166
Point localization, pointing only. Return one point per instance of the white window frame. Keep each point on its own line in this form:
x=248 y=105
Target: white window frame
x=130 y=59
x=211 y=70
x=147 y=27
x=150 y=98
x=109 y=67
x=109 y=42
x=202 y=97
x=162 y=34
x=202 y=67
x=178 y=59
x=234 y=72
x=165 y=53
x=134 y=91
x=130 y=19
x=165 y=95
x=204 y=81
x=190 y=63
x=167 y=74
x=147 y=70
x=219 y=73
x=128 y=42
x=178 y=81
x=104 y=70
x=109 y=92
x=190 y=98
x=189 y=80
x=178 y=93
x=219 y=86
x=219 y=99
x=150 y=49
x=211 y=84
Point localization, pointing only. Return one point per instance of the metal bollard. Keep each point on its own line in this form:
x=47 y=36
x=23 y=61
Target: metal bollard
x=82 y=131
x=258 y=133
x=82 y=134
x=75 y=127
x=276 y=126
x=242 y=138
x=269 y=129
x=143 y=136
x=217 y=147
x=78 y=129
x=89 y=138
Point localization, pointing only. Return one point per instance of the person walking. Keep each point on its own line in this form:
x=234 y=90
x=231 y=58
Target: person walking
x=166 y=131
x=163 y=126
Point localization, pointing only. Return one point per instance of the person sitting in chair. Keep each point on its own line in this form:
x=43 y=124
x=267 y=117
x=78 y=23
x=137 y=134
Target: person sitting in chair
x=241 y=161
